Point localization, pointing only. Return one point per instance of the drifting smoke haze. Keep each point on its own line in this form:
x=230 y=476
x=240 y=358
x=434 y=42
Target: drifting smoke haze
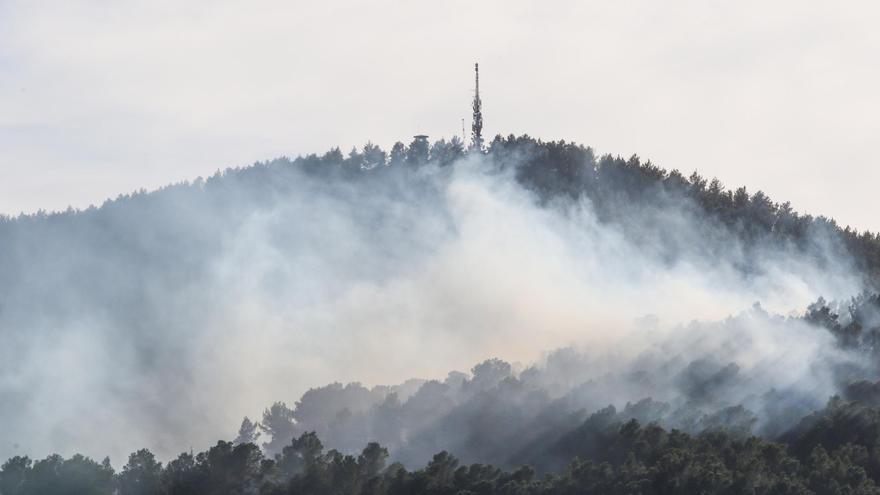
x=160 y=319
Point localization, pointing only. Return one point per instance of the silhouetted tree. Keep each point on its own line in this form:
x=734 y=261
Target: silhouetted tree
x=249 y=432
x=142 y=475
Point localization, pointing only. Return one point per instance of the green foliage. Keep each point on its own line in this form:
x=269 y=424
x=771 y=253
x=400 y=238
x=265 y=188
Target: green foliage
x=560 y=169
x=833 y=451
x=142 y=474
x=629 y=193
x=55 y=475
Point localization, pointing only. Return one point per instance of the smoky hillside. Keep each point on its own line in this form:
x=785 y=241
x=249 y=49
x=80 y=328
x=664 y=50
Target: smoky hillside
x=754 y=374
x=160 y=318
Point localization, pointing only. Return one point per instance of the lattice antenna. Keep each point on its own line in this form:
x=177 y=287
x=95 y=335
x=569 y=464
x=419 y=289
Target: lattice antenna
x=477 y=126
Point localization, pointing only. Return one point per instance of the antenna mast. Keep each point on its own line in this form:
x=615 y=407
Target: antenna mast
x=477 y=126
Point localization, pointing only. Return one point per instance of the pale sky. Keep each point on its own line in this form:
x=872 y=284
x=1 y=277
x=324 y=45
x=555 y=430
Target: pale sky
x=101 y=97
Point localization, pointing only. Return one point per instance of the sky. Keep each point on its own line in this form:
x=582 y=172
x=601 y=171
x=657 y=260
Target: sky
x=100 y=98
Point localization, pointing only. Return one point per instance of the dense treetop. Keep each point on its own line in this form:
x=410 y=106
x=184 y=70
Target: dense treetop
x=833 y=451
x=554 y=170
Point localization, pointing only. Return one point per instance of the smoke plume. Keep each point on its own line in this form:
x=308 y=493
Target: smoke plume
x=160 y=319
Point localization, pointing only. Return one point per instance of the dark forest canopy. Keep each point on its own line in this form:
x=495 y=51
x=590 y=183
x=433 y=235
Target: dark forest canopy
x=833 y=451
x=554 y=170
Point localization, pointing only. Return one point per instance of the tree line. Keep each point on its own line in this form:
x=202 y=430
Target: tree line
x=556 y=170
x=832 y=451
x=560 y=169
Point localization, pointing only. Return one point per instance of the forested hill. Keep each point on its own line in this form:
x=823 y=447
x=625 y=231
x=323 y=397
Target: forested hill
x=159 y=319
x=553 y=170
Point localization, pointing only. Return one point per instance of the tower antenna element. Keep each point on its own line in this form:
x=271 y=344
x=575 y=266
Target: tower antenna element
x=477 y=126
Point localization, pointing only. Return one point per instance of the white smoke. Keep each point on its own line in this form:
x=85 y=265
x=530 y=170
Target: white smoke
x=160 y=321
